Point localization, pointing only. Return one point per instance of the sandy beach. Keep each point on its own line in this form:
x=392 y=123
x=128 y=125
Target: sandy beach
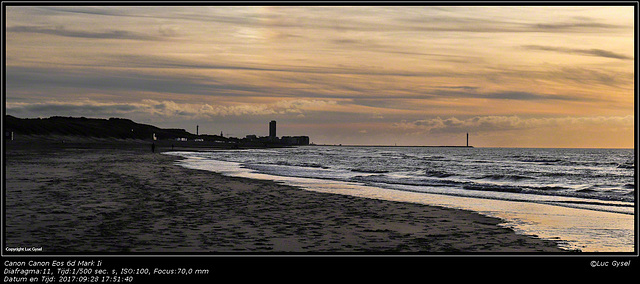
x=121 y=198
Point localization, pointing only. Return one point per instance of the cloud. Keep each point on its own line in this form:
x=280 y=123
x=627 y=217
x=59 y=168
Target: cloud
x=152 y=61
x=111 y=80
x=508 y=95
x=504 y=123
x=590 y=76
x=569 y=75
x=165 y=108
x=77 y=108
x=297 y=106
x=62 y=31
x=577 y=25
x=589 y=52
x=93 y=11
x=527 y=96
x=499 y=20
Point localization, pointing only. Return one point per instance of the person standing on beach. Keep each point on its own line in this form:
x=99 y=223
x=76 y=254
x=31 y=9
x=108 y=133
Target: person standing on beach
x=153 y=147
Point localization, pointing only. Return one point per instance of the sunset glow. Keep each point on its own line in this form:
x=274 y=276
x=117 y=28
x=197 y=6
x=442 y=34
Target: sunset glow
x=531 y=76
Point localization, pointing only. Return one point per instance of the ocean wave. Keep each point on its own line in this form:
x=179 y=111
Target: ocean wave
x=493 y=187
x=506 y=177
x=559 y=174
x=627 y=166
x=549 y=172
x=312 y=165
x=287 y=163
x=537 y=159
x=436 y=173
x=384 y=179
x=371 y=171
x=589 y=193
x=438 y=158
x=549 y=188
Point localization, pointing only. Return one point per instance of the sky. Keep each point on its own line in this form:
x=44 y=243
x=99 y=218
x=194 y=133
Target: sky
x=510 y=76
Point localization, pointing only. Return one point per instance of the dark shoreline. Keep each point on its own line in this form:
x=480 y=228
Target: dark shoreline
x=120 y=197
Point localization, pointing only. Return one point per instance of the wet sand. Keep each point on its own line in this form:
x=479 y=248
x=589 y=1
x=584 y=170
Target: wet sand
x=116 y=197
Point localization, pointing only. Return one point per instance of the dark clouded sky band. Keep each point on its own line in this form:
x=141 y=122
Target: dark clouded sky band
x=62 y=31
x=591 y=52
x=341 y=74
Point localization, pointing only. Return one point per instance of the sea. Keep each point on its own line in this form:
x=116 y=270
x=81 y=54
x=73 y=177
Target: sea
x=582 y=198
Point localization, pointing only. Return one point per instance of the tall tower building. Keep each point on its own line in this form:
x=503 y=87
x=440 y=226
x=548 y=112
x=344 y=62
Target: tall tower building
x=272 y=129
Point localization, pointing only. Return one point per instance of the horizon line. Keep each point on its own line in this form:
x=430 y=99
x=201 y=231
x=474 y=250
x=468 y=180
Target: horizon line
x=462 y=146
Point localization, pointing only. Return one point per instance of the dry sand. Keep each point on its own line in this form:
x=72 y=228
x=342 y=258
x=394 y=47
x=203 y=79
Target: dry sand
x=121 y=198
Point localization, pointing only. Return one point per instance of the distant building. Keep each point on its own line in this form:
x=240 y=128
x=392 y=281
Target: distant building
x=272 y=140
x=295 y=140
x=272 y=129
